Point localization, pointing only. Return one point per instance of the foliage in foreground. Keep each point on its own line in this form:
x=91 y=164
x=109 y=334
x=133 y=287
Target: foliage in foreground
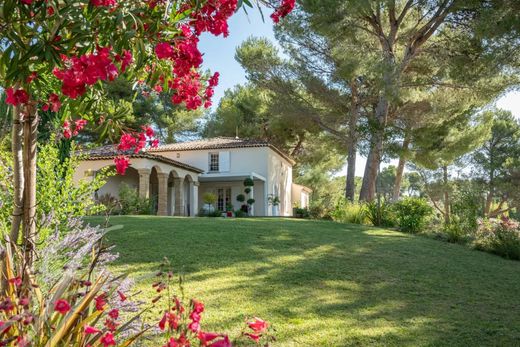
x=59 y=198
x=75 y=301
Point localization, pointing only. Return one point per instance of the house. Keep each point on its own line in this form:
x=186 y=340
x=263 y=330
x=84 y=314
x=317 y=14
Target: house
x=178 y=175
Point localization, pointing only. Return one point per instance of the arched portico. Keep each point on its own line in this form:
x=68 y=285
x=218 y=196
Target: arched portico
x=171 y=186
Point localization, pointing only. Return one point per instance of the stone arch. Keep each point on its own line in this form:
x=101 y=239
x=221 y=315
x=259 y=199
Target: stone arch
x=173 y=177
x=114 y=183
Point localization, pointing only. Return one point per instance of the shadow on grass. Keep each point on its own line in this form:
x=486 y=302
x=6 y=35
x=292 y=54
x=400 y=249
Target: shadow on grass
x=332 y=284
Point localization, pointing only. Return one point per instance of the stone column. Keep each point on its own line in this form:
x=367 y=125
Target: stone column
x=162 y=201
x=195 y=199
x=252 y=196
x=144 y=183
x=179 y=196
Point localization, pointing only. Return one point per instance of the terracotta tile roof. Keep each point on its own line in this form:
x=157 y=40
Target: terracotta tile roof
x=109 y=152
x=219 y=143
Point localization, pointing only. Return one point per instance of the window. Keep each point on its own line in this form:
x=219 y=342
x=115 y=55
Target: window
x=213 y=162
x=223 y=198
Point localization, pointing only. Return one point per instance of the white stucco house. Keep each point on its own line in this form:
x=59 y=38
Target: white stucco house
x=178 y=175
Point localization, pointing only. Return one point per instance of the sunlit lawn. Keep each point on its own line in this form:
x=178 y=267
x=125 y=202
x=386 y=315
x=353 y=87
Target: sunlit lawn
x=328 y=284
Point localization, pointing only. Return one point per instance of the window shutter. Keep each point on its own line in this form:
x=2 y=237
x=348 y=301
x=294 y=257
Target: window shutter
x=224 y=161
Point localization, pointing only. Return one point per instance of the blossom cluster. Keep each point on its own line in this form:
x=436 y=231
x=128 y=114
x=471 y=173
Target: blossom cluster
x=73 y=129
x=133 y=142
x=283 y=10
x=88 y=69
x=16 y=97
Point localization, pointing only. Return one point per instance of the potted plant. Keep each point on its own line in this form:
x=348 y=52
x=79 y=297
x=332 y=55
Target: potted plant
x=229 y=210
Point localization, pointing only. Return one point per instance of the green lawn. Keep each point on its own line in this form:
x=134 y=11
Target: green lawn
x=328 y=284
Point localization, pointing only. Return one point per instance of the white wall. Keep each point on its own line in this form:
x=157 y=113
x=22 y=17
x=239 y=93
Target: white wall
x=280 y=174
x=242 y=160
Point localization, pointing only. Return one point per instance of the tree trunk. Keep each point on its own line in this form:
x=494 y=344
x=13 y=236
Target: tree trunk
x=446 y=196
x=29 y=161
x=350 y=188
x=400 y=169
x=490 y=195
x=368 y=188
x=18 y=175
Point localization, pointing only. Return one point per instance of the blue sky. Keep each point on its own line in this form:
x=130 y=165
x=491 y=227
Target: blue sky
x=219 y=55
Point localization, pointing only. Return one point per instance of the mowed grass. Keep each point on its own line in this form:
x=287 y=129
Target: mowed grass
x=327 y=284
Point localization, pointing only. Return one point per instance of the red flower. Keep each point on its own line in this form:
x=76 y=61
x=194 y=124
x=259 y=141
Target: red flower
x=194 y=326
x=17 y=281
x=283 y=10
x=86 y=70
x=206 y=338
x=32 y=77
x=108 y=340
x=101 y=299
x=126 y=142
x=213 y=81
x=148 y=131
x=16 y=98
x=258 y=325
x=111 y=325
x=164 y=50
x=122 y=164
x=106 y=3
x=169 y=318
x=254 y=337
x=125 y=60
x=62 y=306
x=122 y=296
x=114 y=313
x=91 y=330
x=27 y=2
x=54 y=101
x=80 y=124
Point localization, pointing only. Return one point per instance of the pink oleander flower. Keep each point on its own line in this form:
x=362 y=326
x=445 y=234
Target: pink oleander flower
x=122 y=163
x=17 y=97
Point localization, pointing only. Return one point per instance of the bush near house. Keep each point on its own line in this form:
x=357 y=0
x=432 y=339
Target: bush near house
x=131 y=203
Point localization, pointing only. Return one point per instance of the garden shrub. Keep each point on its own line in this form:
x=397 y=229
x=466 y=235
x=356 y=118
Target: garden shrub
x=411 y=214
x=240 y=213
x=348 y=212
x=380 y=213
x=456 y=231
x=501 y=237
x=59 y=197
x=132 y=203
x=466 y=208
x=301 y=212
